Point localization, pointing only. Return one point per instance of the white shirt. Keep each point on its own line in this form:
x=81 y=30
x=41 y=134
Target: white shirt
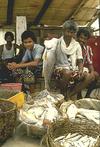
x=74 y=52
x=7 y=54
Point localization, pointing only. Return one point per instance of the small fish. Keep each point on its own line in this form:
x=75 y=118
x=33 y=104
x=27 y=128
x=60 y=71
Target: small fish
x=72 y=111
x=59 y=138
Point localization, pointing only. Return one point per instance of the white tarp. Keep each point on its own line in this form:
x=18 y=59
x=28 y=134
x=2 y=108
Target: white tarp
x=21 y=26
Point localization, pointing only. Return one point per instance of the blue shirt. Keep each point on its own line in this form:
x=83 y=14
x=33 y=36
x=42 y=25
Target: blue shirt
x=36 y=53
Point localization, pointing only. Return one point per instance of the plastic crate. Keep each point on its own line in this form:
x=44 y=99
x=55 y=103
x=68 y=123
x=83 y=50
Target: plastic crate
x=11 y=86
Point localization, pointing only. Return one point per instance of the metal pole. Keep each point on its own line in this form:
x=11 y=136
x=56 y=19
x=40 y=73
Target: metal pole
x=99 y=17
x=99 y=22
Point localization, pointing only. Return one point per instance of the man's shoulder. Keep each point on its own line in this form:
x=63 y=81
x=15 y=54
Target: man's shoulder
x=50 y=43
x=77 y=44
x=38 y=46
x=16 y=45
x=89 y=47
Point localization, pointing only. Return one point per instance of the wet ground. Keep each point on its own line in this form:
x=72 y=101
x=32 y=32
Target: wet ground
x=22 y=139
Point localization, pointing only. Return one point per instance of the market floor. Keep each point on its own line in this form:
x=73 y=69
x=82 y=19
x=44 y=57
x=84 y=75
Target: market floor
x=20 y=139
x=21 y=142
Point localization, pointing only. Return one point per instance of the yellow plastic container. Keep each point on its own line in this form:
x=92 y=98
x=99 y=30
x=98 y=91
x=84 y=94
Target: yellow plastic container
x=18 y=99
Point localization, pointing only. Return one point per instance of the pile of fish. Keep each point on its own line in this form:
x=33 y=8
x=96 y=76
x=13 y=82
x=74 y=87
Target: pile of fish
x=53 y=98
x=43 y=110
x=95 y=93
x=80 y=114
x=76 y=140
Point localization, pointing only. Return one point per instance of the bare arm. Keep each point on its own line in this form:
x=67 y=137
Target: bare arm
x=80 y=64
x=91 y=68
x=21 y=52
x=29 y=64
x=13 y=66
x=1 y=49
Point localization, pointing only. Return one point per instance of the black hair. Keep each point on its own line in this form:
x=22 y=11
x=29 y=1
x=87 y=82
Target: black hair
x=27 y=34
x=9 y=34
x=85 y=32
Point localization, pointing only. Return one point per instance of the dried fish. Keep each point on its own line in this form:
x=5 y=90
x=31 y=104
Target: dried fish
x=83 y=114
x=75 y=140
x=38 y=112
x=72 y=111
x=59 y=138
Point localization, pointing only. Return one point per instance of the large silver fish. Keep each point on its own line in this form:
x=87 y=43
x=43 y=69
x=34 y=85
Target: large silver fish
x=49 y=60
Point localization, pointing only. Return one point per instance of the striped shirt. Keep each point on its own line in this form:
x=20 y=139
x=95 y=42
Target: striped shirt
x=87 y=55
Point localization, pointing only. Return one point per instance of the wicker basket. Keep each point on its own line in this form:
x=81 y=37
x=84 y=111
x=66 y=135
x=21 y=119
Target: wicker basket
x=65 y=127
x=5 y=94
x=87 y=103
x=35 y=131
x=8 y=115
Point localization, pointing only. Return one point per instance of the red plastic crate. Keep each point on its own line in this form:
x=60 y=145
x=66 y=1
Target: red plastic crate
x=11 y=86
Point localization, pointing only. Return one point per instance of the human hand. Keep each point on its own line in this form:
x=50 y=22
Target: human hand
x=12 y=66
x=92 y=75
x=80 y=73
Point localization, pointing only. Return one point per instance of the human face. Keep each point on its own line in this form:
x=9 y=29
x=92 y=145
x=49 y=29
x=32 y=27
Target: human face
x=9 y=39
x=82 y=39
x=68 y=34
x=28 y=43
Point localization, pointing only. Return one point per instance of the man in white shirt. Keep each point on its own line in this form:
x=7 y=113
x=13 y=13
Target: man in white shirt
x=67 y=54
x=7 y=54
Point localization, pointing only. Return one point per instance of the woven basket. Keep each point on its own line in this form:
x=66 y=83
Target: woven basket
x=5 y=94
x=87 y=103
x=35 y=131
x=63 y=127
x=8 y=115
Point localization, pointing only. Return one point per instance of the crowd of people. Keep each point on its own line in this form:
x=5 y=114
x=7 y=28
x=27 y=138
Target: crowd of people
x=68 y=59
